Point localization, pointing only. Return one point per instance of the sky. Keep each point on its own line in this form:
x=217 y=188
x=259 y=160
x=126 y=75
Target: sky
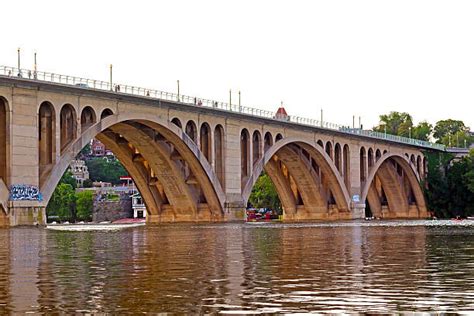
x=362 y=58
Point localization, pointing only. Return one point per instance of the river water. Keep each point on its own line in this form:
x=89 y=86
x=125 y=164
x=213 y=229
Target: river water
x=385 y=266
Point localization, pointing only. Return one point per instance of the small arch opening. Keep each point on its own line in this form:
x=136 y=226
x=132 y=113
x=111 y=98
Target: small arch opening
x=177 y=122
x=88 y=118
x=191 y=131
x=268 y=140
x=256 y=146
x=205 y=137
x=68 y=125
x=105 y=113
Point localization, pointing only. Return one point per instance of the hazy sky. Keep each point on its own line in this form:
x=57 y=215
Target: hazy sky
x=348 y=57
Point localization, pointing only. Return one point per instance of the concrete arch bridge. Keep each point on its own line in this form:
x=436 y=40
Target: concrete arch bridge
x=197 y=160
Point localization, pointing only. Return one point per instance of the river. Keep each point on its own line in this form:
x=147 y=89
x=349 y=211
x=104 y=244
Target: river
x=379 y=266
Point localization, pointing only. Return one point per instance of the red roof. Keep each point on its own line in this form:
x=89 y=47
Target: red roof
x=281 y=110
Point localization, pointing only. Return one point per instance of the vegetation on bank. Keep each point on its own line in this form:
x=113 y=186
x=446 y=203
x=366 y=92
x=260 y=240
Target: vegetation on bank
x=264 y=194
x=68 y=205
x=449 y=187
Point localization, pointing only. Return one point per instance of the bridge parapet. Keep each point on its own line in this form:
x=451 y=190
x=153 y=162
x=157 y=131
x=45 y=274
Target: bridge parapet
x=84 y=83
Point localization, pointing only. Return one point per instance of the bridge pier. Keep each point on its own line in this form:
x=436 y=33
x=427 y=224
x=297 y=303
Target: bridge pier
x=25 y=213
x=358 y=210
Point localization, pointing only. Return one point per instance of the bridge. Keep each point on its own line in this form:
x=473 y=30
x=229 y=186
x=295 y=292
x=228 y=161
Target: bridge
x=197 y=160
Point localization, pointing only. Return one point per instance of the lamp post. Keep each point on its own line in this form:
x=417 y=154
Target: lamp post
x=178 y=88
x=321 y=117
x=19 y=66
x=409 y=132
x=111 y=77
x=35 y=69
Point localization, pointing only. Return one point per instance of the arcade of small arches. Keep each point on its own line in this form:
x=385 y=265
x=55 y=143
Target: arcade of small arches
x=180 y=167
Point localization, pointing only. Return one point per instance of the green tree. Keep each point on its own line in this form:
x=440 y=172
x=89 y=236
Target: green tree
x=105 y=170
x=422 y=131
x=84 y=205
x=264 y=194
x=447 y=127
x=469 y=176
x=68 y=179
x=449 y=190
x=62 y=202
x=395 y=123
x=458 y=139
x=86 y=151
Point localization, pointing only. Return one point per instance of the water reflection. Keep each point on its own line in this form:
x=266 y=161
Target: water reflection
x=238 y=268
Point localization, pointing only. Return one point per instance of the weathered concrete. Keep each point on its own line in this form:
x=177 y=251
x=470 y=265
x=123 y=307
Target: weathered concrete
x=194 y=163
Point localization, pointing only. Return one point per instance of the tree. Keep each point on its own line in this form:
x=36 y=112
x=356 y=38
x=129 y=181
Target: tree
x=86 y=151
x=450 y=185
x=62 y=202
x=447 y=127
x=395 y=123
x=264 y=194
x=422 y=131
x=458 y=139
x=470 y=174
x=101 y=169
x=84 y=205
x=68 y=179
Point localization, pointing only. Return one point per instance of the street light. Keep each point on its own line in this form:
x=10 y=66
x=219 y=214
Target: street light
x=178 y=89
x=409 y=132
x=111 y=77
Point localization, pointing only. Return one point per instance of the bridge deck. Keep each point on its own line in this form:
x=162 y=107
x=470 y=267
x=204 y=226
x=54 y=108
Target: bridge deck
x=81 y=84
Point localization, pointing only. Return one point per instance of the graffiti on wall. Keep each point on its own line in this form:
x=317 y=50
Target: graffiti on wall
x=25 y=192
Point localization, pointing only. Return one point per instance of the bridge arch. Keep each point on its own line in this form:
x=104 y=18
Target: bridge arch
x=46 y=138
x=394 y=181
x=4 y=123
x=88 y=117
x=154 y=152
x=105 y=113
x=329 y=150
x=305 y=192
x=219 y=149
x=205 y=140
x=245 y=155
x=68 y=125
x=268 y=141
x=177 y=122
x=256 y=146
x=191 y=130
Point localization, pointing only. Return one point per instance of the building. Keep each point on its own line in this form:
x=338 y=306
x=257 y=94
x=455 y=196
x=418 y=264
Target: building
x=79 y=171
x=97 y=148
x=281 y=114
x=138 y=206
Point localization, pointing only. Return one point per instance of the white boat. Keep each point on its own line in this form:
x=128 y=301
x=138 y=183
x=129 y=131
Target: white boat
x=88 y=227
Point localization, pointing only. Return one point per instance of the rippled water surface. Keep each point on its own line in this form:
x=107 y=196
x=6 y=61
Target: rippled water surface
x=240 y=268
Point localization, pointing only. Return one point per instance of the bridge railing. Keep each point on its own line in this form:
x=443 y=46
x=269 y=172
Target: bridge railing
x=169 y=96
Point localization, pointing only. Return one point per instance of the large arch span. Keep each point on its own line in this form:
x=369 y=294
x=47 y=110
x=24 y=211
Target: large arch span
x=306 y=179
x=393 y=189
x=172 y=174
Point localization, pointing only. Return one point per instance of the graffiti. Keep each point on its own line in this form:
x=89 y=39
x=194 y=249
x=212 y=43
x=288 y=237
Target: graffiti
x=24 y=192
